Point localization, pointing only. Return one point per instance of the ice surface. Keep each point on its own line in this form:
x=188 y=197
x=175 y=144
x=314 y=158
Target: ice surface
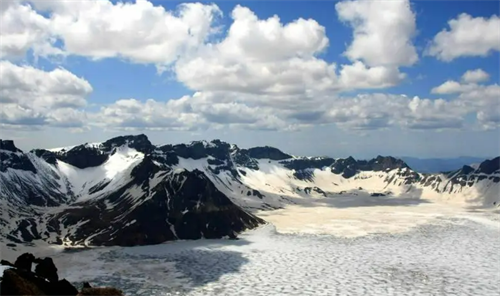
x=448 y=251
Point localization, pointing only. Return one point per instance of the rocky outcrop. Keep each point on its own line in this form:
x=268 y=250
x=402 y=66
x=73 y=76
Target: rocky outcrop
x=8 y=145
x=489 y=166
x=44 y=281
x=267 y=152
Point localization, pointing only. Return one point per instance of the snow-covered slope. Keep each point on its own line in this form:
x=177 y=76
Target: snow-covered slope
x=126 y=191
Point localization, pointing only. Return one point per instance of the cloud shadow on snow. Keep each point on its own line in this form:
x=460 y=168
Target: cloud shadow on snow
x=194 y=263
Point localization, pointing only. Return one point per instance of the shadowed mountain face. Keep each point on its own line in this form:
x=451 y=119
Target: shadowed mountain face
x=127 y=191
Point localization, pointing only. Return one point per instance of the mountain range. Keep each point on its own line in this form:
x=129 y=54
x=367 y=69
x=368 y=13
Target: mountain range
x=126 y=191
x=439 y=165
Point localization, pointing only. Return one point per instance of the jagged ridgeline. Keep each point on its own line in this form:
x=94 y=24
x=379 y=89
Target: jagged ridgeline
x=127 y=191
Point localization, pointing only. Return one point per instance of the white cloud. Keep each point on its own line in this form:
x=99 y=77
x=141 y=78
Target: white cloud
x=449 y=87
x=247 y=59
x=375 y=111
x=467 y=36
x=383 y=32
x=358 y=75
x=211 y=111
x=468 y=83
x=30 y=96
x=139 y=32
x=263 y=74
x=473 y=76
x=22 y=28
x=132 y=113
x=475 y=98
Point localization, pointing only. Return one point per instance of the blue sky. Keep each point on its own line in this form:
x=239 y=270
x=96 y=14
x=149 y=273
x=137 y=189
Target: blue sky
x=303 y=106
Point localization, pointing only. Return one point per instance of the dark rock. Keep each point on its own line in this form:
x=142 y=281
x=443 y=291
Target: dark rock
x=308 y=190
x=48 y=156
x=377 y=194
x=300 y=164
x=466 y=170
x=11 y=245
x=15 y=161
x=8 y=145
x=62 y=288
x=257 y=193
x=83 y=156
x=46 y=268
x=349 y=167
x=18 y=282
x=267 y=152
x=185 y=205
x=24 y=261
x=6 y=263
x=140 y=143
x=489 y=166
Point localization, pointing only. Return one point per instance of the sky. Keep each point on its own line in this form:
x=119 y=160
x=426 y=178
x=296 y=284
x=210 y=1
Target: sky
x=336 y=78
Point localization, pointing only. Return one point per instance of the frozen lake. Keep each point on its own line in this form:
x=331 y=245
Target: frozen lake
x=450 y=255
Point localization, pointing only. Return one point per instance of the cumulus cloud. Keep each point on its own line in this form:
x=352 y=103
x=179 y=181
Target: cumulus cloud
x=358 y=75
x=263 y=74
x=261 y=57
x=466 y=36
x=477 y=75
x=451 y=87
x=383 y=32
x=30 y=96
x=197 y=112
x=138 y=32
x=208 y=110
x=375 y=111
x=22 y=29
x=246 y=59
x=483 y=100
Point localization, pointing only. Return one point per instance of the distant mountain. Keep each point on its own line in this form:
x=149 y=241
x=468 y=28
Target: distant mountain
x=438 y=165
x=127 y=191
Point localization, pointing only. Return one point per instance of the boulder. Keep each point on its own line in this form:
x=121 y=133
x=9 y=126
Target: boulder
x=21 y=282
x=46 y=269
x=24 y=261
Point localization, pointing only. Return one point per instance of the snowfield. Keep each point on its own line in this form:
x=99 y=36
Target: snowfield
x=358 y=246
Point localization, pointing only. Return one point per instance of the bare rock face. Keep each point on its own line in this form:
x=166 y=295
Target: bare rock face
x=18 y=282
x=45 y=268
x=24 y=261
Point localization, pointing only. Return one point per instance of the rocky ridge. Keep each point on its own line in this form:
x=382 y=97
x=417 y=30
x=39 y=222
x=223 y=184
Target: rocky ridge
x=127 y=191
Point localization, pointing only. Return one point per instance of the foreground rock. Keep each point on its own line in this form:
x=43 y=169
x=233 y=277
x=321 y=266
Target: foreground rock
x=20 y=280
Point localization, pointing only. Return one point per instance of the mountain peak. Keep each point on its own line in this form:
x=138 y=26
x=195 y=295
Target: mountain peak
x=138 y=142
x=490 y=166
x=8 y=145
x=268 y=153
